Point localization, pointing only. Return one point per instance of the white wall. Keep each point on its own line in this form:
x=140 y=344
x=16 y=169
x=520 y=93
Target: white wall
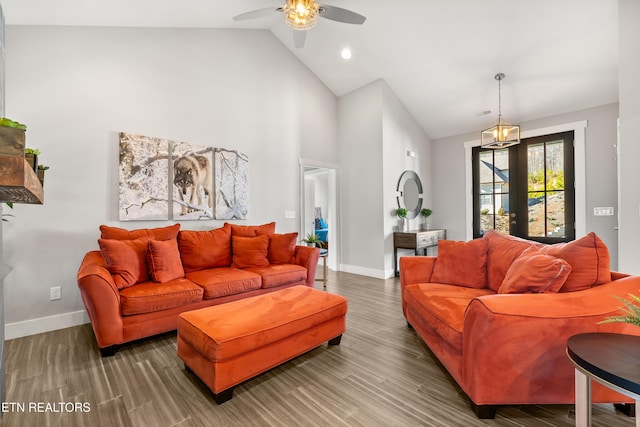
x=376 y=131
x=629 y=86
x=361 y=181
x=601 y=169
x=401 y=133
x=77 y=87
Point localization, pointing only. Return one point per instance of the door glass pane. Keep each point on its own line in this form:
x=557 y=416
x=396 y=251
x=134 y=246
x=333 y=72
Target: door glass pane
x=555 y=214
x=536 y=213
x=494 y=190
x=555 y=165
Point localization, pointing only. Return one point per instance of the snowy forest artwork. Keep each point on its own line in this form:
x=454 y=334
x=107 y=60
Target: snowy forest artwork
x=144 y=174
x=162 y=179
x=232 y=184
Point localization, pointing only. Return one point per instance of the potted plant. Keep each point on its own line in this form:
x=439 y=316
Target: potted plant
x=41 y=169
x=426 y=213
x=402 y=214
x=31 y=156
x=311 y=239
x=630 y=313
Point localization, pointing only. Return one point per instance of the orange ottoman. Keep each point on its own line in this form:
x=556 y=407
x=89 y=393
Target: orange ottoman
x=227 y=344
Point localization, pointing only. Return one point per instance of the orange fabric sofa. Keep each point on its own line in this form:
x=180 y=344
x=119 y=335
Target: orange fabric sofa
x=139 y=281
x=498 y=311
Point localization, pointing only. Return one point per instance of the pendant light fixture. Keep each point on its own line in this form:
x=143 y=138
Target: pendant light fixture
x=502 y=134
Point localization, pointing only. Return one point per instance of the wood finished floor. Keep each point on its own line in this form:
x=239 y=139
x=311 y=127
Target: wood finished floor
x=381 y=374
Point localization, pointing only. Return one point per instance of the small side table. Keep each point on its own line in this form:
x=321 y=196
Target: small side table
x=323 y=255
x=610 y=359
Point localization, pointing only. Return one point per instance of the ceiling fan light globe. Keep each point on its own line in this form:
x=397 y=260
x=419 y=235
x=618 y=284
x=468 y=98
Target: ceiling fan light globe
x=300 y=14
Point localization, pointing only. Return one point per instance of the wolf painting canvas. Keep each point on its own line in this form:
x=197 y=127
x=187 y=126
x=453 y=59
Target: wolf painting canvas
x=144 y=173
x=192 y=181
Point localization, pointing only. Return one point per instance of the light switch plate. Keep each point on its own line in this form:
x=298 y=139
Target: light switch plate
x=603 y=211
x=290 y=214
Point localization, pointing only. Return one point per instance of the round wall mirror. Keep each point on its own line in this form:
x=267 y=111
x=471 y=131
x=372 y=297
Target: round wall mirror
x=410 y=189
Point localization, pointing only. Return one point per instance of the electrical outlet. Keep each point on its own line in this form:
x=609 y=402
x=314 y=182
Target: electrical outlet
x=290 y=214
x=55 y=293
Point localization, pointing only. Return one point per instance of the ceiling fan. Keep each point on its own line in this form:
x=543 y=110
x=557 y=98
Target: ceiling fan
x=303 y=14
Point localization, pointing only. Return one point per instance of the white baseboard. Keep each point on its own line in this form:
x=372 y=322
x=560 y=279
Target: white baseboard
x=363 y=271
x=44 y=324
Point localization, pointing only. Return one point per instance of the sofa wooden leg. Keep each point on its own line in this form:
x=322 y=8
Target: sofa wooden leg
x=223 y=396
x=109 y=351
x=336 y=340
x=409 y=326
x=629 y=409
x=484 y=412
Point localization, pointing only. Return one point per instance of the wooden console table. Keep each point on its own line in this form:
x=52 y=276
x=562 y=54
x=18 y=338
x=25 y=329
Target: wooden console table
x=418 y=240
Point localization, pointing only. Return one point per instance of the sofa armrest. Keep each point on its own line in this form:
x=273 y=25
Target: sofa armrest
x=307 y=257
x=101 y=299
x=415 y=269
x=518 y=336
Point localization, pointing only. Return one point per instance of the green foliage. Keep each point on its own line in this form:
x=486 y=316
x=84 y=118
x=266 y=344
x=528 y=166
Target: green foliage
x=426 y=212
x=311 y=238
x=536 y=182
x=501 y=211
x=6 y=122
x=484 y=211
x=401 y=212
x=32 y=151
x=43 y=167
x=630 y=311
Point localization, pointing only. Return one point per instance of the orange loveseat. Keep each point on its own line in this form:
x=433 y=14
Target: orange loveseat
x=139 y=281
x=498 y=311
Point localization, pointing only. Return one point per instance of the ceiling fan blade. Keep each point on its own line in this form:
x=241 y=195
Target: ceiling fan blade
x=260 y=13
x=341 y=15
x=299 y=37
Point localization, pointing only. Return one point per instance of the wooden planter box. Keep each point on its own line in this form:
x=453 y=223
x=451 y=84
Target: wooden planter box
x=18 y=180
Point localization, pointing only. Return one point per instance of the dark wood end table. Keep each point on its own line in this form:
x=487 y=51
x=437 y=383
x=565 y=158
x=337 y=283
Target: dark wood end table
x=613 y=360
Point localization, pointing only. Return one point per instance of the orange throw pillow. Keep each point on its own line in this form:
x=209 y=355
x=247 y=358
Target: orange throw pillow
x=252 y=230
x=589 y=260
x=162 y=233
x=503 y=250
x=461 y=263
x=250 y=251
x=535 y=272
x=126 y=260
x=205 y=249
x=282 y=247
x=164 y=261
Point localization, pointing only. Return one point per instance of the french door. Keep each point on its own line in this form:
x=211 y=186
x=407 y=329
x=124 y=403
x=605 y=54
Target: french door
x=526 y=190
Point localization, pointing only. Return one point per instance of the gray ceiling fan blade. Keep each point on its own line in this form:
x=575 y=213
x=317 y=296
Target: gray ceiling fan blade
x=299 y=37
x=341 y=15
x=260 y=13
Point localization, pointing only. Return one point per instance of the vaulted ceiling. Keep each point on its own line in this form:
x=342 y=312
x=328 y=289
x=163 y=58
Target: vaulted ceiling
x=438 y=56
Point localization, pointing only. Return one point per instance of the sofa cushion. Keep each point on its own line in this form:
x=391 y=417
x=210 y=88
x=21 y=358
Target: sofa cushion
x=442 y=307
x=249 y=251
x=161 y=233
x=163 y=258
x=282 y=247
x=535 y=272
x=589 y=260
x=252 y=230
x=502 y=251
x=461 y=263
x=205 y=249
x=221 y=281
x=280 y=274
x=126 y=260
x=150 y=297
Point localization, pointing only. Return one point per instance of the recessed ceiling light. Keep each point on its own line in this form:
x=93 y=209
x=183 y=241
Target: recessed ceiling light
x=346 y=53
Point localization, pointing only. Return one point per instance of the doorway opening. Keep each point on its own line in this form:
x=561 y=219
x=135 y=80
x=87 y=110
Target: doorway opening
x=319 y=212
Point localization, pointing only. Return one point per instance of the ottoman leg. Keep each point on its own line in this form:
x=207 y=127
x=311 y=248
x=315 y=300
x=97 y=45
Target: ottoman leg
x=223 y=396
x=336 y=340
